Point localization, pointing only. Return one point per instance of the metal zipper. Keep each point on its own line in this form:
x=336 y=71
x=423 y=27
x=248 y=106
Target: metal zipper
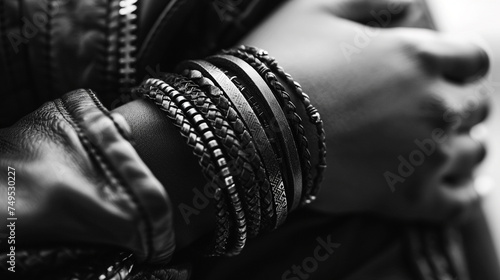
x=127 y=42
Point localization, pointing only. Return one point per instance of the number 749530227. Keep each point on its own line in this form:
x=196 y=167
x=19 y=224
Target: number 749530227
x=11 y=190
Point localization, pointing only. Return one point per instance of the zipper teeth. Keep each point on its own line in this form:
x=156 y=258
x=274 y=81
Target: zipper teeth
x=128 y=19
x=110 y=54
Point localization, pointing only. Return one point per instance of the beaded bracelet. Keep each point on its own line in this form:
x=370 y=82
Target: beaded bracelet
x=165 y=96
x=229 y=90
x=199 y=149
x=312 y=112
x=267 y=211
x=269 y=103
x=239 y=158
x=289 y=108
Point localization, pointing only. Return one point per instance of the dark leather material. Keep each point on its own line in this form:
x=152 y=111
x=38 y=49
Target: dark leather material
x=48 y=48
x=79 y=181
x=78 y=174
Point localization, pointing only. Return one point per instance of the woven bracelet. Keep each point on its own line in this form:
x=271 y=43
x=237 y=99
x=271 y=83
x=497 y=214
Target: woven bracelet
x=226 y=88
x=247 y=141
x=261 y=115
x=289 y=109
x=312 y=112
x=239 y=158
x=261 y=91
x=199 y=149
x=224 y=178
x=168 y=95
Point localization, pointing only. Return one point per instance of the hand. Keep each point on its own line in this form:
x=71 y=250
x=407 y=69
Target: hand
x=398 y=105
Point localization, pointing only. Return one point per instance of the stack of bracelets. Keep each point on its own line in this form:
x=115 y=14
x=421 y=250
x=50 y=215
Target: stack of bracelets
x=235 y=112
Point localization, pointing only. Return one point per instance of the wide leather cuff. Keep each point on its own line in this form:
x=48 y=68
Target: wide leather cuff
x=78 y=180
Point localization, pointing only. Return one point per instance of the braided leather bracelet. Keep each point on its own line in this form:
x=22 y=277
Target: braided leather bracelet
x=260 y=115
x=199 y=149
x=226 y=179
x=289 y=108
x=239 y=158
x=314 y=116
x=267 y=211
x=253 y=80
x=226 y=87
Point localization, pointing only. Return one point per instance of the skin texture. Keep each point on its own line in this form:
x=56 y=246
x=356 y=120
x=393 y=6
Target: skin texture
x=400 y=86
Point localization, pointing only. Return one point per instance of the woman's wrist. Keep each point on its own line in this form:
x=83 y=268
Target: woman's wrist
x=273 y=109
x=165 y=152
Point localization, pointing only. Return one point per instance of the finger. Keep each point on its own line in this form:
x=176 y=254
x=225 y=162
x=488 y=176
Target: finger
x=479 y=133
x=457 y=178
x=465 y=153
x=464 y=106
x=474 y=111
x=379 y=13
x=458 y=60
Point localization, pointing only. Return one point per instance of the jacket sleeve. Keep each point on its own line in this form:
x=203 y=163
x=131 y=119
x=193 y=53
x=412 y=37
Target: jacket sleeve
x=69 y=176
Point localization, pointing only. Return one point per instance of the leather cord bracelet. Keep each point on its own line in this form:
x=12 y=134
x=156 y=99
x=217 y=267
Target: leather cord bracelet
x=253 y=80
x=251 y=143
x=289 y=109
x=267 y=212
x=225 y=177
x=260 y=115
x=239 y=158
x=312 y=112
x=199 y=149
x=226 y=87
x=208 y=168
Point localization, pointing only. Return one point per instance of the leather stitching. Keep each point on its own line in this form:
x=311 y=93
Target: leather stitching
x=106 y=113
x=149 y=225
x=109 y=173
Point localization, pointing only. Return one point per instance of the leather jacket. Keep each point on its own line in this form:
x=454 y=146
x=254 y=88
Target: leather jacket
x=53 y=46
x=83 y=179
x=75 y=177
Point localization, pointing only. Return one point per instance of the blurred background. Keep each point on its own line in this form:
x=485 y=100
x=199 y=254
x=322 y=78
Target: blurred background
x=480 y=20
